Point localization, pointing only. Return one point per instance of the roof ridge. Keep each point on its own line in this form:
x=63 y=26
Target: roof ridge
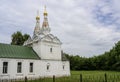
x=13 y=45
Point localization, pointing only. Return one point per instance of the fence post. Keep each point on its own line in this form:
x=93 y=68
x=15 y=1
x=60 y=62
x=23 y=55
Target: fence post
x=25 y=79
x=105 y=77
x=80 y=77
x=53 y=78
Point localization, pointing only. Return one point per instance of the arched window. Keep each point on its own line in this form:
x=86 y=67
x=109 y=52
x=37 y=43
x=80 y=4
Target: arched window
x=63 y=66
x=48 y=66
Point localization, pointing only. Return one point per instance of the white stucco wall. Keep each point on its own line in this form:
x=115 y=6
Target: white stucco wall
x=39 y=68
x=43 y=50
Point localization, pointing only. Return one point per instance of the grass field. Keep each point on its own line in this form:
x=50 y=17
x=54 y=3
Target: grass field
x=86 y=76
x=94 y=72
x=97 y=76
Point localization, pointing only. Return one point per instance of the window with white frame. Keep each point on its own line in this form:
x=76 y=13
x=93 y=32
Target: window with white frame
x=51 y=49
x=63 y=67
x=48 y=66
x=19 y=67
x=5 y=67
x=31 y=67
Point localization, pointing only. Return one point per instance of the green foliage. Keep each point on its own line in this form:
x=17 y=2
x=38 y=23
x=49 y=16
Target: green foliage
x=107 y=61
x=18 y=38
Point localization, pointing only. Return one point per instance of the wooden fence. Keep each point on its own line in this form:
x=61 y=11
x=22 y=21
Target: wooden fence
x=72 y=78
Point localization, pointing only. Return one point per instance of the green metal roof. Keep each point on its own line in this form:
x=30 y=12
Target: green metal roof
x=19 y=52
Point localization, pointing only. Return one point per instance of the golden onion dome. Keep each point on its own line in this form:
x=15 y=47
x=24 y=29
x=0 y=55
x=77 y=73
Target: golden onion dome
x=45 y=12
x=37 y=17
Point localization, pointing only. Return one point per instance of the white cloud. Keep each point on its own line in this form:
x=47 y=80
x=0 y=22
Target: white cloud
x=72 y=21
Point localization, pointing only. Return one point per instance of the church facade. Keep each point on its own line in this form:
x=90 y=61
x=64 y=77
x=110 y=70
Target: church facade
x=40 y=56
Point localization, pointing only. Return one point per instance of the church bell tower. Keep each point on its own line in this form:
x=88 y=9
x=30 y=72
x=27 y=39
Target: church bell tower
x=37 y=26
x=45 y=44
x=45 y=26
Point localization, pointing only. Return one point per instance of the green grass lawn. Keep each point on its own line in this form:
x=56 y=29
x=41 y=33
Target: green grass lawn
x=94 y=72
x=97 y=76
x=87 y=76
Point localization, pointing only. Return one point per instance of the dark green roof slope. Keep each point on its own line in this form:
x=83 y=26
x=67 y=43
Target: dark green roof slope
x=14 y=51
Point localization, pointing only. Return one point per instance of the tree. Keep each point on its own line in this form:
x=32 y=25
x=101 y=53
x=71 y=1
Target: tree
x=18 y=38
x=26 y=36
x=110 y=60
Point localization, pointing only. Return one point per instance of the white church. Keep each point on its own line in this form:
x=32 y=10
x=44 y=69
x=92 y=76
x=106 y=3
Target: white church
x=40 y=56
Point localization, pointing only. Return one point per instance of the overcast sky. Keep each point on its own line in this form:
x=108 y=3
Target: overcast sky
x=85 y=27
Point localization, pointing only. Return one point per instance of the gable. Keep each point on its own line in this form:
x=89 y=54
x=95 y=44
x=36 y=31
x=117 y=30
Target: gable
x=47 y=38
x=51 y=38
x=18 y=52
x=56 y=40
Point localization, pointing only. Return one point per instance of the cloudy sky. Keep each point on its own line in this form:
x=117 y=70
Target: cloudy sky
x=85 y=27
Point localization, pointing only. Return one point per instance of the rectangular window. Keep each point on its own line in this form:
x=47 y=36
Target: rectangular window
x=63 y=67
x=19 y=67
x=5 y=67
x=50 y=49
x=31 y=67
x=47 y=67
